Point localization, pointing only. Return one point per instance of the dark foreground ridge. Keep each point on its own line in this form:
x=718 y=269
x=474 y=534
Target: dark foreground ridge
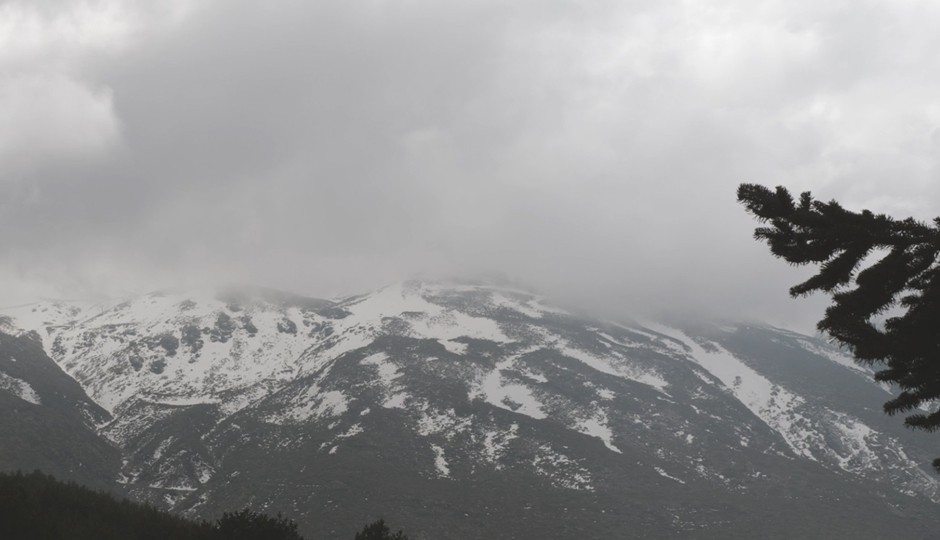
x=36 y=506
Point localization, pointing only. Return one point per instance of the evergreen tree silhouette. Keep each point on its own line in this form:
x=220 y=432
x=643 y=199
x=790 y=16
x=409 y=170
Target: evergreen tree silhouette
x=378 y=530
x=250 y=525
x=35 y=505
x=905 y=275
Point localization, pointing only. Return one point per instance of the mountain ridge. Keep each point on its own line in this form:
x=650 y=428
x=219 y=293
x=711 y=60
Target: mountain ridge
x=456 y=388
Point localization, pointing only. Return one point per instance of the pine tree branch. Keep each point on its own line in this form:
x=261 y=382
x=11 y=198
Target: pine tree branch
x=907 y=277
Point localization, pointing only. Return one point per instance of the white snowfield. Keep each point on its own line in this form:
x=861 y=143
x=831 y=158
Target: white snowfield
x=140 y=357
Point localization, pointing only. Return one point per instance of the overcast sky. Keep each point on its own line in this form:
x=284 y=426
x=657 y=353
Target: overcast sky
x=588 y=149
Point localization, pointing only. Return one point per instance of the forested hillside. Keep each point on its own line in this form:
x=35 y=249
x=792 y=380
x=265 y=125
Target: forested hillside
x=37 y=506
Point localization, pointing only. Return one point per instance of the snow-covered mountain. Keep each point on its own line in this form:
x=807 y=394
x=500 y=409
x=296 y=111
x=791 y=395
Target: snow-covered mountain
x=463 y=410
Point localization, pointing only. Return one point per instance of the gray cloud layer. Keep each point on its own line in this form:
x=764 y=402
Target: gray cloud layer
x=588 y=149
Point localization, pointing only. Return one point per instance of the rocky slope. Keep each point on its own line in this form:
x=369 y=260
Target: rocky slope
x=473 y=411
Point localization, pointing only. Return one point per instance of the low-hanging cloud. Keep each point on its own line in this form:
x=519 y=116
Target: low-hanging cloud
x=590 y=150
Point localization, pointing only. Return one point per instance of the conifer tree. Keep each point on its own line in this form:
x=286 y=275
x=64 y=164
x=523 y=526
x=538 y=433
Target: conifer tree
x=250 y=525
x=378 y=530
x=868 y=263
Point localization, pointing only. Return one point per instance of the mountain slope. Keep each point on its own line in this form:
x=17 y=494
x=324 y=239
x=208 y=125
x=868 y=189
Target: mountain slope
x=468 y=411
x=47 y=420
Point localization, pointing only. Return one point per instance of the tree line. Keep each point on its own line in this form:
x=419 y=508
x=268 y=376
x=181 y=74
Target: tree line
x=37 y=506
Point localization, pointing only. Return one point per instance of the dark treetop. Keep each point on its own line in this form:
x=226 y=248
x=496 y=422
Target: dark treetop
x=905 y=274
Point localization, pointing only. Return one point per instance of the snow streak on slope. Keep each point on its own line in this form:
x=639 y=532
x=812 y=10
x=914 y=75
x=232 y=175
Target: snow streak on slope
x=843 y=359
x=833 y=438
x=440 y=462
x=19 y=388
x=597 y=427
x=771 y=403
x=313 y=404
x=620 y=369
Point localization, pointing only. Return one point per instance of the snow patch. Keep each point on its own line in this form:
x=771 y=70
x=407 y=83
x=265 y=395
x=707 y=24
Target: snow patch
x=620 y=369
x=313 y=404
x=665 y=475
x=510 y=396
x=332 y=403
x=440 y=462
x=454 y=347
x=387 y=370
x=19 y=388
x=597 y=427
x=161 y=448
x=204 y=473
x=396 y=401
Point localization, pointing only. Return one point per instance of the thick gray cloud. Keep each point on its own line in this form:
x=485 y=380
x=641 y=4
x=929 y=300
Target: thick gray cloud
x=591 y=150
